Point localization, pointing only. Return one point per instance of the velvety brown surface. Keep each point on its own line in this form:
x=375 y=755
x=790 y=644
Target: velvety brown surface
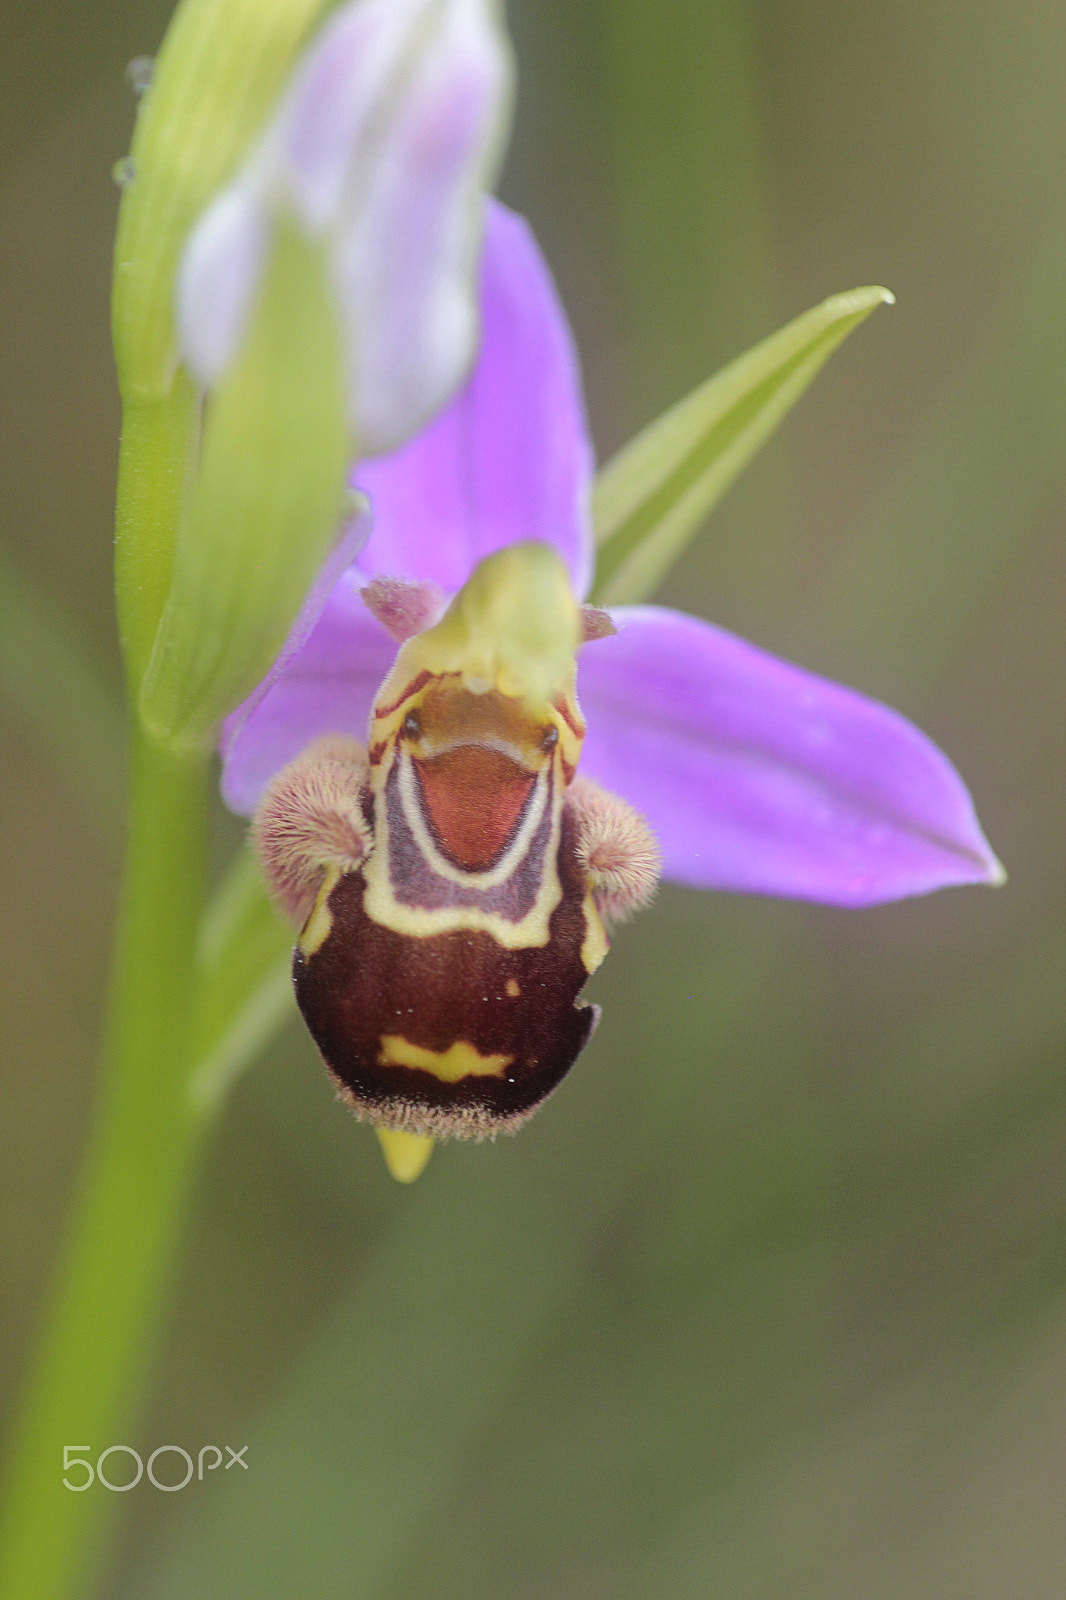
x=366 y=982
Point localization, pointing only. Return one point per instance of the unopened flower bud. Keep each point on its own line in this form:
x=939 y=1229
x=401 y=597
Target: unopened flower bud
x=326 y=307
x=381 y=149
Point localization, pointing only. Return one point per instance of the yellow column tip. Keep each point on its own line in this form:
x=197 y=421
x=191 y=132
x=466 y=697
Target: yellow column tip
x=405 y=1154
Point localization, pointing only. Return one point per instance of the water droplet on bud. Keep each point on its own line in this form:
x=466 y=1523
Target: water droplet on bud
x=124 y=171
x=356 y=504
x=139 y=74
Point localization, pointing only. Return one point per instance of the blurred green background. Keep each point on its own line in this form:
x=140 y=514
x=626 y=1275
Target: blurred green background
x=771 y=1299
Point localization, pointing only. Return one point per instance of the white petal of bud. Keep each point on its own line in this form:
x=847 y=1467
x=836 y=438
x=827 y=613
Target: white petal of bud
x=218 y=275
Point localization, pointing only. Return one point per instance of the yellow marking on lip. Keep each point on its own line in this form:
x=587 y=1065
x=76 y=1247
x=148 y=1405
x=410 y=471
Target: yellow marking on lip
x=594 y=946
x=460 y=1060
x=316 y=930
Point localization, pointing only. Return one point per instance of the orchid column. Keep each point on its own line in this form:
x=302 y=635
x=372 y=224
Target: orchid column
x=294 y=269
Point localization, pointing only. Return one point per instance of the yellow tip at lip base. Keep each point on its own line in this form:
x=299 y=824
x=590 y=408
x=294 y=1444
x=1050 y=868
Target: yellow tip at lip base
x=513 y=627
x=406 y=1154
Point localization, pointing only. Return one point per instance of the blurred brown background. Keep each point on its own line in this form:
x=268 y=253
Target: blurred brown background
x=771 y=1299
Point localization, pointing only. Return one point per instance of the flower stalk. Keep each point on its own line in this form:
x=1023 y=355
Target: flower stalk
x=114 y=1266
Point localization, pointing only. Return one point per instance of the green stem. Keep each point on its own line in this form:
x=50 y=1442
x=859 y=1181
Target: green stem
x=94 y=1351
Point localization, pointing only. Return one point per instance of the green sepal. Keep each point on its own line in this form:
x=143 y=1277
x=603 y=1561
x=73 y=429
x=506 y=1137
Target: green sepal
x=156 y=470
x=655 y=494
x=215 y=81
x=266 y=505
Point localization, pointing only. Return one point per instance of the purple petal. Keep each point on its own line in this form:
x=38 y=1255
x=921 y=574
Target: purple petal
x=327 y=686
x=758 y=776
x=510 y=457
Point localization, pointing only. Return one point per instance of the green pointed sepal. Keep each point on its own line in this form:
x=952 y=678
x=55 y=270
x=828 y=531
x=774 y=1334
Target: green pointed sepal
x=266 y=505
x=656 y=493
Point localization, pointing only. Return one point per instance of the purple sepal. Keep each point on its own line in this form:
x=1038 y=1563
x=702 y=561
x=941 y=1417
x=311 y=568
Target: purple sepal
x=761 y=777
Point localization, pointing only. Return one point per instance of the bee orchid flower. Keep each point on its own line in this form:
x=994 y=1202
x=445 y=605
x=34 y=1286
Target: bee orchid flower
x=462 y=777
